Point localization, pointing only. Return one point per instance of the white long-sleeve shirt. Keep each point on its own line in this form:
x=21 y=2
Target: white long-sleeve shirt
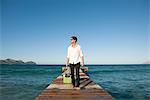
x=74 y=54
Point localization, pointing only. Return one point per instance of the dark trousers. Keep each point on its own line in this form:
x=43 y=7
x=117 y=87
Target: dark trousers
x=76 y=67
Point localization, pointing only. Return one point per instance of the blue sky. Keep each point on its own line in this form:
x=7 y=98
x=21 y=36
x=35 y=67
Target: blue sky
x=109 y=31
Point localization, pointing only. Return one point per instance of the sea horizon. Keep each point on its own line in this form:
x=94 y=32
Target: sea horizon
x=83 y=66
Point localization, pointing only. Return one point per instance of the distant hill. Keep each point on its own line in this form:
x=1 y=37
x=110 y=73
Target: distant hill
x=20 y=62
x=147 y=62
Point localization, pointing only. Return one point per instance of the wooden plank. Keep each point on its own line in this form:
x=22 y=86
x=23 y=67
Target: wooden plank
x=88 y=90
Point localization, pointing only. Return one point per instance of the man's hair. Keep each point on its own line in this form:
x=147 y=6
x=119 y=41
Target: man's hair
x=74 y=38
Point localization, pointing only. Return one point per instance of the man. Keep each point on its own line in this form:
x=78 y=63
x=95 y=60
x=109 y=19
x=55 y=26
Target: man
x=74 y=59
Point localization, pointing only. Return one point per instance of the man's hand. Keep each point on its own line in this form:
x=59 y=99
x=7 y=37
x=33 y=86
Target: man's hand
x=66 y=66
x=82 y=64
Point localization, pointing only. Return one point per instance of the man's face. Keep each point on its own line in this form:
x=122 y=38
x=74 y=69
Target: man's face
x=73 y=41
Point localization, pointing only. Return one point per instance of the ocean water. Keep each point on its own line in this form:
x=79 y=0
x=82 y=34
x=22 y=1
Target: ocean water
x=123 y=82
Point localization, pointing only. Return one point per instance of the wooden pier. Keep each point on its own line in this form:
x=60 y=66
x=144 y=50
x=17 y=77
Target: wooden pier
x=88 y=90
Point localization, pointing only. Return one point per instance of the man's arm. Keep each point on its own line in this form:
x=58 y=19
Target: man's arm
x=82 y=61
x=82 y=57
x=67 y=62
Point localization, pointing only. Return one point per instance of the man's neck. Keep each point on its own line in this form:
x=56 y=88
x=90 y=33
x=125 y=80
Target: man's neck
x=74 y=45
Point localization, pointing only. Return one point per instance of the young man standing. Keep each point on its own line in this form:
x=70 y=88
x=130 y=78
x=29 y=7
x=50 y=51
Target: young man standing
x=74 y=60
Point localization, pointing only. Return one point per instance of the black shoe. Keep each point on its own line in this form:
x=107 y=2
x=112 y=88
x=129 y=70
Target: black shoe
x=77 y=85
x=73 y=85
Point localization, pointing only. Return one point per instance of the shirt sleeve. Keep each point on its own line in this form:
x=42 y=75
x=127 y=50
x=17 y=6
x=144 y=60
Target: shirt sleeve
x=68 y=53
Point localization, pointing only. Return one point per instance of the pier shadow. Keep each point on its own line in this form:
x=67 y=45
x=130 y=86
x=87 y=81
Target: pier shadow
x=85 y=82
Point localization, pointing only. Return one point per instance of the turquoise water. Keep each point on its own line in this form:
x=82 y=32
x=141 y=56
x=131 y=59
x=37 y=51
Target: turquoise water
x=123 y=82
